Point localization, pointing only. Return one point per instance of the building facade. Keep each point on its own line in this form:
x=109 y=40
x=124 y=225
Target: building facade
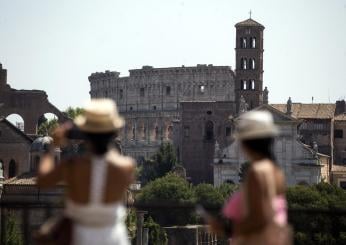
x=300 y=163
x=150 y=98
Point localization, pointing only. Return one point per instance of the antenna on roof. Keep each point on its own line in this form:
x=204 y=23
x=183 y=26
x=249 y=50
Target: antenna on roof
x=312 y=99
x=250 y=13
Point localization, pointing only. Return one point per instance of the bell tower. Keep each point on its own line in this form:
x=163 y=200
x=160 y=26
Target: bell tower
x=249 y=63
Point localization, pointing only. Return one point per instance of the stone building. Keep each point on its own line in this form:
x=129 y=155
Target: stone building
x=300 y=163
x=150 y=98
x=201 y=125
x=14 y=149
x=31 y=105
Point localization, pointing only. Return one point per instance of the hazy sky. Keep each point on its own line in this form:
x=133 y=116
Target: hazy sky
x=55 y=45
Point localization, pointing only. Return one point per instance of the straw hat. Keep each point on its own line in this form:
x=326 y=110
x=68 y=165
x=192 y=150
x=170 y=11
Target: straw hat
x=255 y=125
x=100 y=116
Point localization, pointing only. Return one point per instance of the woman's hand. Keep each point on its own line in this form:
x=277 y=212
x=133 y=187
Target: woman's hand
x=59 y=134
x=215 y=226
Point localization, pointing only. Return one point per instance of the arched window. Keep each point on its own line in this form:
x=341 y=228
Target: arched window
x=243 y=85
x=252 y=85
x=253 y=42
x=209 y=130
x=12 y=169
x=244 y=63
x=243 y=42
x=252 y=64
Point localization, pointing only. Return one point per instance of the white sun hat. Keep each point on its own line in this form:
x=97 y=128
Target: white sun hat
x=100 y=116
x=255 y=125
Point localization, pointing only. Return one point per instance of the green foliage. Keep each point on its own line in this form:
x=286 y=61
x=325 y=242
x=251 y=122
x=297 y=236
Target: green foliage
x=159 y=164
x=131 y=221
x=73 y=112
x=317 y=228
x=169 y=189
x=13 y=236
x=226 y=190
x=208 y=195
x=47 y=127
x=243 y=169
x=157 y=235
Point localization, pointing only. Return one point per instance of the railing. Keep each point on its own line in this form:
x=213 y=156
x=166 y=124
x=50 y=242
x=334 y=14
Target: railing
x=27 y=220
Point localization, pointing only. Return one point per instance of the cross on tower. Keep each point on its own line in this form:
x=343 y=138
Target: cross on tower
x=250 y=13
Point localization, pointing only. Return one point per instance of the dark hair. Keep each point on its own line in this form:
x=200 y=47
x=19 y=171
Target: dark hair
x=264 y=146
x=100 y=141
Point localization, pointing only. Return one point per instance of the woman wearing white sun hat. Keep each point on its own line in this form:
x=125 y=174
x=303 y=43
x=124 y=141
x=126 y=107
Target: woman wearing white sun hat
x=97 y=181
x=258 y=211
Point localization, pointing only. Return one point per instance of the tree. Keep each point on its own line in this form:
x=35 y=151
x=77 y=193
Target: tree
x=47 y=127
x=12 y=236
x=208 y=195
x=73 y=112
x=172 y=191
x=159 y=164
x=157 y=235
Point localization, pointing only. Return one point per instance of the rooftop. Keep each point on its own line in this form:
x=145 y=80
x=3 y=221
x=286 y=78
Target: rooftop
x=306 y=111
x=248 y=22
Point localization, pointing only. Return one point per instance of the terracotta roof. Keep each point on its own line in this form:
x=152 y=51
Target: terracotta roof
x=339 y=168
x=248 y=22
x=341 y=117
x=23 y=179
x=317 y=111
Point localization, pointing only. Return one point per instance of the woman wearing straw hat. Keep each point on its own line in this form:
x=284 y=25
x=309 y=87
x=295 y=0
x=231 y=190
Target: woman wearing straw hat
x=258 y=211
x=96 y=182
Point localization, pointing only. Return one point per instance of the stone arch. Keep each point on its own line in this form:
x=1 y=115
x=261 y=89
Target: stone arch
x=17 y=120
x=45 y=118
x=12 y=168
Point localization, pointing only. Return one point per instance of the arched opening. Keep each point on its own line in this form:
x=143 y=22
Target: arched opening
x=253 y=42
x=46 y=124
x=243 y=63
x=133 y=133
x=252 y=64
x=156 y=133
x=12 y=169
x=209 y=130
x=243 y=42
x=17 y=120
x=252 y=84
x=243 y=85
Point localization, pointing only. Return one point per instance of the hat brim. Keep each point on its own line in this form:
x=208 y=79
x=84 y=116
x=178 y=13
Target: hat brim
x=256 y=134
x=96 y=127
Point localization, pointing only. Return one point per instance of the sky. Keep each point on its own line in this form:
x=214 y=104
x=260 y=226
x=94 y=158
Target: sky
x=55 y=45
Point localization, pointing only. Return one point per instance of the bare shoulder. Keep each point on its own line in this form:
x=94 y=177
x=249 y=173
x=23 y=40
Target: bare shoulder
x=118 y=160
x=262 y=165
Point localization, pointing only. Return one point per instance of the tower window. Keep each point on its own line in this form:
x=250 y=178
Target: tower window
x=253 y=42
x=243 y=85
x=252 y=64
x=168 y=90
x=141 y=92
x=243 y=42
x=243 y=63
x=252 y=84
